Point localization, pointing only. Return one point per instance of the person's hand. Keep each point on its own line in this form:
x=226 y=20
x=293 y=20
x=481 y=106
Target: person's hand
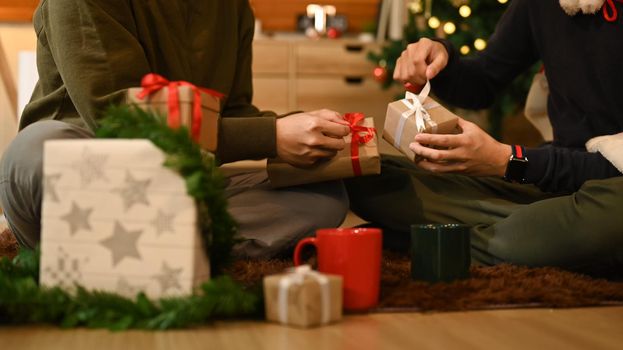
x=420 y=62
x=305 y=138
x=473 y=152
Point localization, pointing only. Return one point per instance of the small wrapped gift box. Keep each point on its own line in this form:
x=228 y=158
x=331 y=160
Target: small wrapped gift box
x=360 y=157
x=303 y=297
x=114 y=219
x=184 y=104
x=413 y=115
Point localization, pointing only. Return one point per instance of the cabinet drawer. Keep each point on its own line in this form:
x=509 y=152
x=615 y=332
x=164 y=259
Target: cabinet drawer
x=343 y=96
x=271 y=57
x=339 y=58
x=271 y=93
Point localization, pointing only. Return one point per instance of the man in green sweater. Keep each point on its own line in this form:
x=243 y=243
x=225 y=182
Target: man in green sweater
x=90 y=52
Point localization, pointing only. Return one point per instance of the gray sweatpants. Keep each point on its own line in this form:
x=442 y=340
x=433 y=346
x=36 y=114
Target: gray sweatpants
x=513 y=223
x=271 y=221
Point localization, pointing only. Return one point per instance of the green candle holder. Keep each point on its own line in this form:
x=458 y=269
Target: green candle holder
x=440 y=253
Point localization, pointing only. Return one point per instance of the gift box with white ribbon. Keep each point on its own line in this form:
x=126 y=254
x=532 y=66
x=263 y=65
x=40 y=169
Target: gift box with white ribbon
x=413 y=115
x=303 y=297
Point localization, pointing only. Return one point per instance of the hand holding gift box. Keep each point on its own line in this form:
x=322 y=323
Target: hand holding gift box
x=303 y=297
x=416 y=114
x=184 y=104
x=359 y=157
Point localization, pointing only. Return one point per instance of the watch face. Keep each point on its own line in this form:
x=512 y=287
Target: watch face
x=516 y=169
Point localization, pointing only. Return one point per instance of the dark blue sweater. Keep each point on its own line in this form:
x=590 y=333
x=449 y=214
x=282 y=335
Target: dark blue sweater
x=583 y=58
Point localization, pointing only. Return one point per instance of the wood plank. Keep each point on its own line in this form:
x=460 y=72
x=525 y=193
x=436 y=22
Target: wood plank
x=279 y=15
x=589 y=328
x=17 y=10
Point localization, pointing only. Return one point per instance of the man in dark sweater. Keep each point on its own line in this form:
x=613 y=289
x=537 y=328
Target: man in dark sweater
x=560 y=205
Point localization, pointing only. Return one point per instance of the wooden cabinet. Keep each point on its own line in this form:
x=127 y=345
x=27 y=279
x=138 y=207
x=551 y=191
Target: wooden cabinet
x=304 y=75
x=291 y=75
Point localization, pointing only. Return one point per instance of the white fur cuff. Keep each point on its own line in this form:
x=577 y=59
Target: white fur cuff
x=572 y=7
x=611 y=147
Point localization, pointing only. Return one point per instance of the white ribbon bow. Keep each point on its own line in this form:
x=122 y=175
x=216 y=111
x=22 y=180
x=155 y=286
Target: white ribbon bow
x=296 y=276
x=416 y=107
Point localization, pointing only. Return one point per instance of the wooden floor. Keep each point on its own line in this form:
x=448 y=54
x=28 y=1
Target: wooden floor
x=589 y=328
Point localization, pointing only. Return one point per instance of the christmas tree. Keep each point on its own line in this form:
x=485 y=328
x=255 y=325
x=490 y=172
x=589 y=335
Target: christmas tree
x=467 y=24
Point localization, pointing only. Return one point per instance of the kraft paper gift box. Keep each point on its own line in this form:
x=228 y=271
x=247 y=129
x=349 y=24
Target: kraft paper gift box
x=303 y=297
x=413 y=115
x=356 y=159
x=114 y=219
x=183 y=104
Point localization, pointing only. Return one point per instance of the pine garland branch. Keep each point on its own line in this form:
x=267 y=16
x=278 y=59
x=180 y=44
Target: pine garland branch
x=23 y=301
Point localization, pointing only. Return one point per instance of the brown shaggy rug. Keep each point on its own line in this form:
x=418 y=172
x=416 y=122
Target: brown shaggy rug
x=497 y=287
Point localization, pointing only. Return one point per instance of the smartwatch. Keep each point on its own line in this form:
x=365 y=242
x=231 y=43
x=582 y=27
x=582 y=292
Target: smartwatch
x=517 y=165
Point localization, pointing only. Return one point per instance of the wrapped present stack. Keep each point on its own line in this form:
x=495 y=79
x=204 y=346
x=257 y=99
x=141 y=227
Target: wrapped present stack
x=359 y=157
x=416 y=114
x=302 y=297
x=184 y=104
x=114 y=219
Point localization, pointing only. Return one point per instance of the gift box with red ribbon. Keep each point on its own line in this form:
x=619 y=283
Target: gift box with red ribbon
x=183 y=104
x=360 y=157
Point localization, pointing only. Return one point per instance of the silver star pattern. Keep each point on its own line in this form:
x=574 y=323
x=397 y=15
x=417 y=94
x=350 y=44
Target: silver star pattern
x=134 y=191
x=67 y=271
x=163 y=222
x=49 y=186
x=91 y=167
x=168 y=277
x=77 y=218
x=125 y=288
x=122 y=244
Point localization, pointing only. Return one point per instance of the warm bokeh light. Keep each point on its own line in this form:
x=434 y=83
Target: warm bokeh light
x=465 y=11
x=465 y=49
x=449 y=28
x=502 y=1
x=434 y=22
x=480 y=44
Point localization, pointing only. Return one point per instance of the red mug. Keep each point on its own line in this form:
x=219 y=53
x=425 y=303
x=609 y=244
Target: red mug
x=354 y=254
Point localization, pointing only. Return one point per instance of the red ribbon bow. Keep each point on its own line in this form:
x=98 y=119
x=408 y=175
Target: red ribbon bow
x=153 y=83
x=360 y=136
x=614 y=14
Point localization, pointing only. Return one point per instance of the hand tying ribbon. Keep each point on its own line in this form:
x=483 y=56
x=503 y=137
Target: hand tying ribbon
x=360 y=136
x=416 y=107
x=153 y=83
x=296 y=276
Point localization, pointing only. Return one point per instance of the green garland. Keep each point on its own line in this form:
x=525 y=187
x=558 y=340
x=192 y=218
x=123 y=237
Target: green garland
x=23 y=301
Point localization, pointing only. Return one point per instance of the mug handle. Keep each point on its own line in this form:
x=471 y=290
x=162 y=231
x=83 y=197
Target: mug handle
x=299 y=248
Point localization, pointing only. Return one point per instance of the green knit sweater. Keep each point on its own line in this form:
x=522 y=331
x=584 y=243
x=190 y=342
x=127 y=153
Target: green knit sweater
x=90 y=52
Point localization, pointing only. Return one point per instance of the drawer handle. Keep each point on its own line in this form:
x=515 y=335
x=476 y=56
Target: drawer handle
x=354 y=48
x=353 y=80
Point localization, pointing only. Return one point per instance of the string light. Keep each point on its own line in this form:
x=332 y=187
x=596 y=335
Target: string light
x=480 y=44
x=502 y=1
x=465 y=49
x=434 y=22
x=449 y=28
x=465 y=11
